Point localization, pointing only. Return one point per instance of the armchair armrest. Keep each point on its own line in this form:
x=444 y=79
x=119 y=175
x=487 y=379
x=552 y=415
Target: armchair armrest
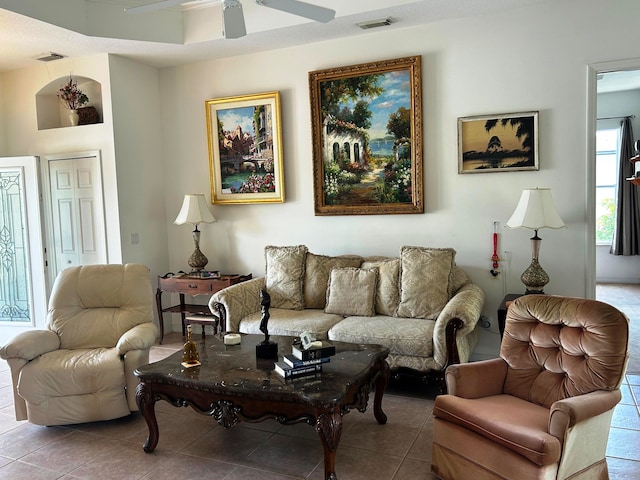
x=236 y=302
x=465 y=307
x=140 y=337
x=476 y=379
x=568 y=412
x=31 y=344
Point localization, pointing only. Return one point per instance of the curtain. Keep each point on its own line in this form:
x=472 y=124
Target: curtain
x=626 y=235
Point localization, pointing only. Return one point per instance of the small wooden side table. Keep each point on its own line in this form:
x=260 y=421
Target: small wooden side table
x=502 y=309
x=186 y=285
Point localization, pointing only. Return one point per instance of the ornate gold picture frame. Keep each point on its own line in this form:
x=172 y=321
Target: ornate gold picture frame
x=245 y=149
x=366 y=124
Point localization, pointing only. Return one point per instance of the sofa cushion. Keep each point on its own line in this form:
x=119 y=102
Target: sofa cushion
x=316 y=277
x=292 y=322
x=425 y=281
x=517 y=424
x=459 y=279
x=91 y=306
x=284 y=275
x=388 y=292
x=409 y=336
x=49 y=376
x=352 y=291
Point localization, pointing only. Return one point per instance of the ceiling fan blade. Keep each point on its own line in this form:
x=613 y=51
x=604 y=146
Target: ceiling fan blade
x=233 y=19
x=155 y=6
x=302 y=9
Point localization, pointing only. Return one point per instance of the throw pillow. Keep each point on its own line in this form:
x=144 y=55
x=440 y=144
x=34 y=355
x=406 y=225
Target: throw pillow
x=425 y=281
x=316 y=276
x=352 y=291
x=284 y=274
x=388 y=292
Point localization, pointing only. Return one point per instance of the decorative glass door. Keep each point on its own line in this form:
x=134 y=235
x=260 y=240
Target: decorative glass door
x=23 y=300
x=15 y=297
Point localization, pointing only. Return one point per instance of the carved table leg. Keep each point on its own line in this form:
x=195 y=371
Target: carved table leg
x=329 y=428
x=146 y=403
x=381 y=385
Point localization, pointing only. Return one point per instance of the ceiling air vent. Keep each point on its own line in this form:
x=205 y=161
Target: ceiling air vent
x=49 y=57
x=384 y=22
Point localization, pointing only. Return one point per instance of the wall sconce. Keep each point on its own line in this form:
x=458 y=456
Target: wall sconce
x=535 y=210
x=195 y=211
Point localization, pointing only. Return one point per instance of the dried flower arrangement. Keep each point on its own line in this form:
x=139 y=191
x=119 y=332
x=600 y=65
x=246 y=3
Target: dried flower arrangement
x=71 y=96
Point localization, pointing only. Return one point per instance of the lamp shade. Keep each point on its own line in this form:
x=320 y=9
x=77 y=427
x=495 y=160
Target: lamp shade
x=535 y=210
x=194 y=210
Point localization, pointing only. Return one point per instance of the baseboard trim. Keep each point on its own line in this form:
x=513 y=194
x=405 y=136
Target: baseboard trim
x=630 y=281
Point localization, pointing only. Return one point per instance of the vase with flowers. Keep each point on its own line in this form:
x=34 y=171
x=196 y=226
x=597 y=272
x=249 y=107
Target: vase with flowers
x=72 y=98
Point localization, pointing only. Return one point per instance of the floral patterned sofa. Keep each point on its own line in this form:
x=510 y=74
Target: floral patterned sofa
x=420 y=305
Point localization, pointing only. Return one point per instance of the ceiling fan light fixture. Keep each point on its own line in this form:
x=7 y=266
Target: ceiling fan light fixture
x=232 y=19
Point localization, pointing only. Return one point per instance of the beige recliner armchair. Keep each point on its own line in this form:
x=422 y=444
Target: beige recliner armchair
x=80 y=369
x=543 y=409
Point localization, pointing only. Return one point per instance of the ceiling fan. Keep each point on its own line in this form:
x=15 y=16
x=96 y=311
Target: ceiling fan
x=233 y=18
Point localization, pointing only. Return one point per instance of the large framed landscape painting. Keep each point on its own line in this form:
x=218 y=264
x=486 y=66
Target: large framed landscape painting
x=245 y=149
x=498 y=143
x=366 y=124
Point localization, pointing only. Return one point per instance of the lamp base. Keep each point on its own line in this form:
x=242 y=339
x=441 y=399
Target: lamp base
x=534 y=278
x=197 y=261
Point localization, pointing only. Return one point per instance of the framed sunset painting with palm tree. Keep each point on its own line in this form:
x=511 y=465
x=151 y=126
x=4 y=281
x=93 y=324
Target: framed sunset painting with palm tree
x=366 y=123
x=498 y=143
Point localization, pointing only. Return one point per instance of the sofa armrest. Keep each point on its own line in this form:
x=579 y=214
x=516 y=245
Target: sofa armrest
x=568 y=412
x=31 y=344
x=234 y=303
x=465 y=306
x=477 y=379
x=140 y=337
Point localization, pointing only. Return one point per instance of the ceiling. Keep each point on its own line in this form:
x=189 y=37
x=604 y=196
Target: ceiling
x=619 y=81
x=193 y=32
x=30 y=29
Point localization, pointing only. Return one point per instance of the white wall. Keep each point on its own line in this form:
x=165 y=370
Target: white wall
x=533 y=58
x=129 y=139
x=3 y=118
x=135 y=92
x=24 y=138
x=616 y=268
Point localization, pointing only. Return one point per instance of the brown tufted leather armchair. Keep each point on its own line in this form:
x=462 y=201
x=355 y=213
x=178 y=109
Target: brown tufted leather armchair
x=543 y=409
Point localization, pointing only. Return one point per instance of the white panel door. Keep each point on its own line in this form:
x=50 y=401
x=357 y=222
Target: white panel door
x=23 y=298
x=77 y=211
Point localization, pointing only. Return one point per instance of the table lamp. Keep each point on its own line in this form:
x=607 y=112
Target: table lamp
x=195 y=211
x=535 y=210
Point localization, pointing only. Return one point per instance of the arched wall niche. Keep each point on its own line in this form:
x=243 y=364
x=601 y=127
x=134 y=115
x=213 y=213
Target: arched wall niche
x=51 y=113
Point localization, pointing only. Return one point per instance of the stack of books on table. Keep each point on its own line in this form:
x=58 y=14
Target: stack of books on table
x=304 y=362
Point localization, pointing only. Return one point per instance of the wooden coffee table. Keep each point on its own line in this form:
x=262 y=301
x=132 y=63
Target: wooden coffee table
x=232 y=385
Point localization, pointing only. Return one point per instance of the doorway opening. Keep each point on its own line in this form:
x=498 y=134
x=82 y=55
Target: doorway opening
x=617 y=99
x=616 y=278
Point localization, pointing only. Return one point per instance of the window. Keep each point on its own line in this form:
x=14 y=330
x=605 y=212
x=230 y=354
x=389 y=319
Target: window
x=607 y=146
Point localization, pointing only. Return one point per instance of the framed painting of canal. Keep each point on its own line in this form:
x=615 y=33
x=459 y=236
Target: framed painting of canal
x=366 y=123
x=245 y=149
x=498 y=143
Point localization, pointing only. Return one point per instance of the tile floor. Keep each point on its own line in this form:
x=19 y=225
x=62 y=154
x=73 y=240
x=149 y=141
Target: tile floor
x=193 y=446
x=623 y=451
